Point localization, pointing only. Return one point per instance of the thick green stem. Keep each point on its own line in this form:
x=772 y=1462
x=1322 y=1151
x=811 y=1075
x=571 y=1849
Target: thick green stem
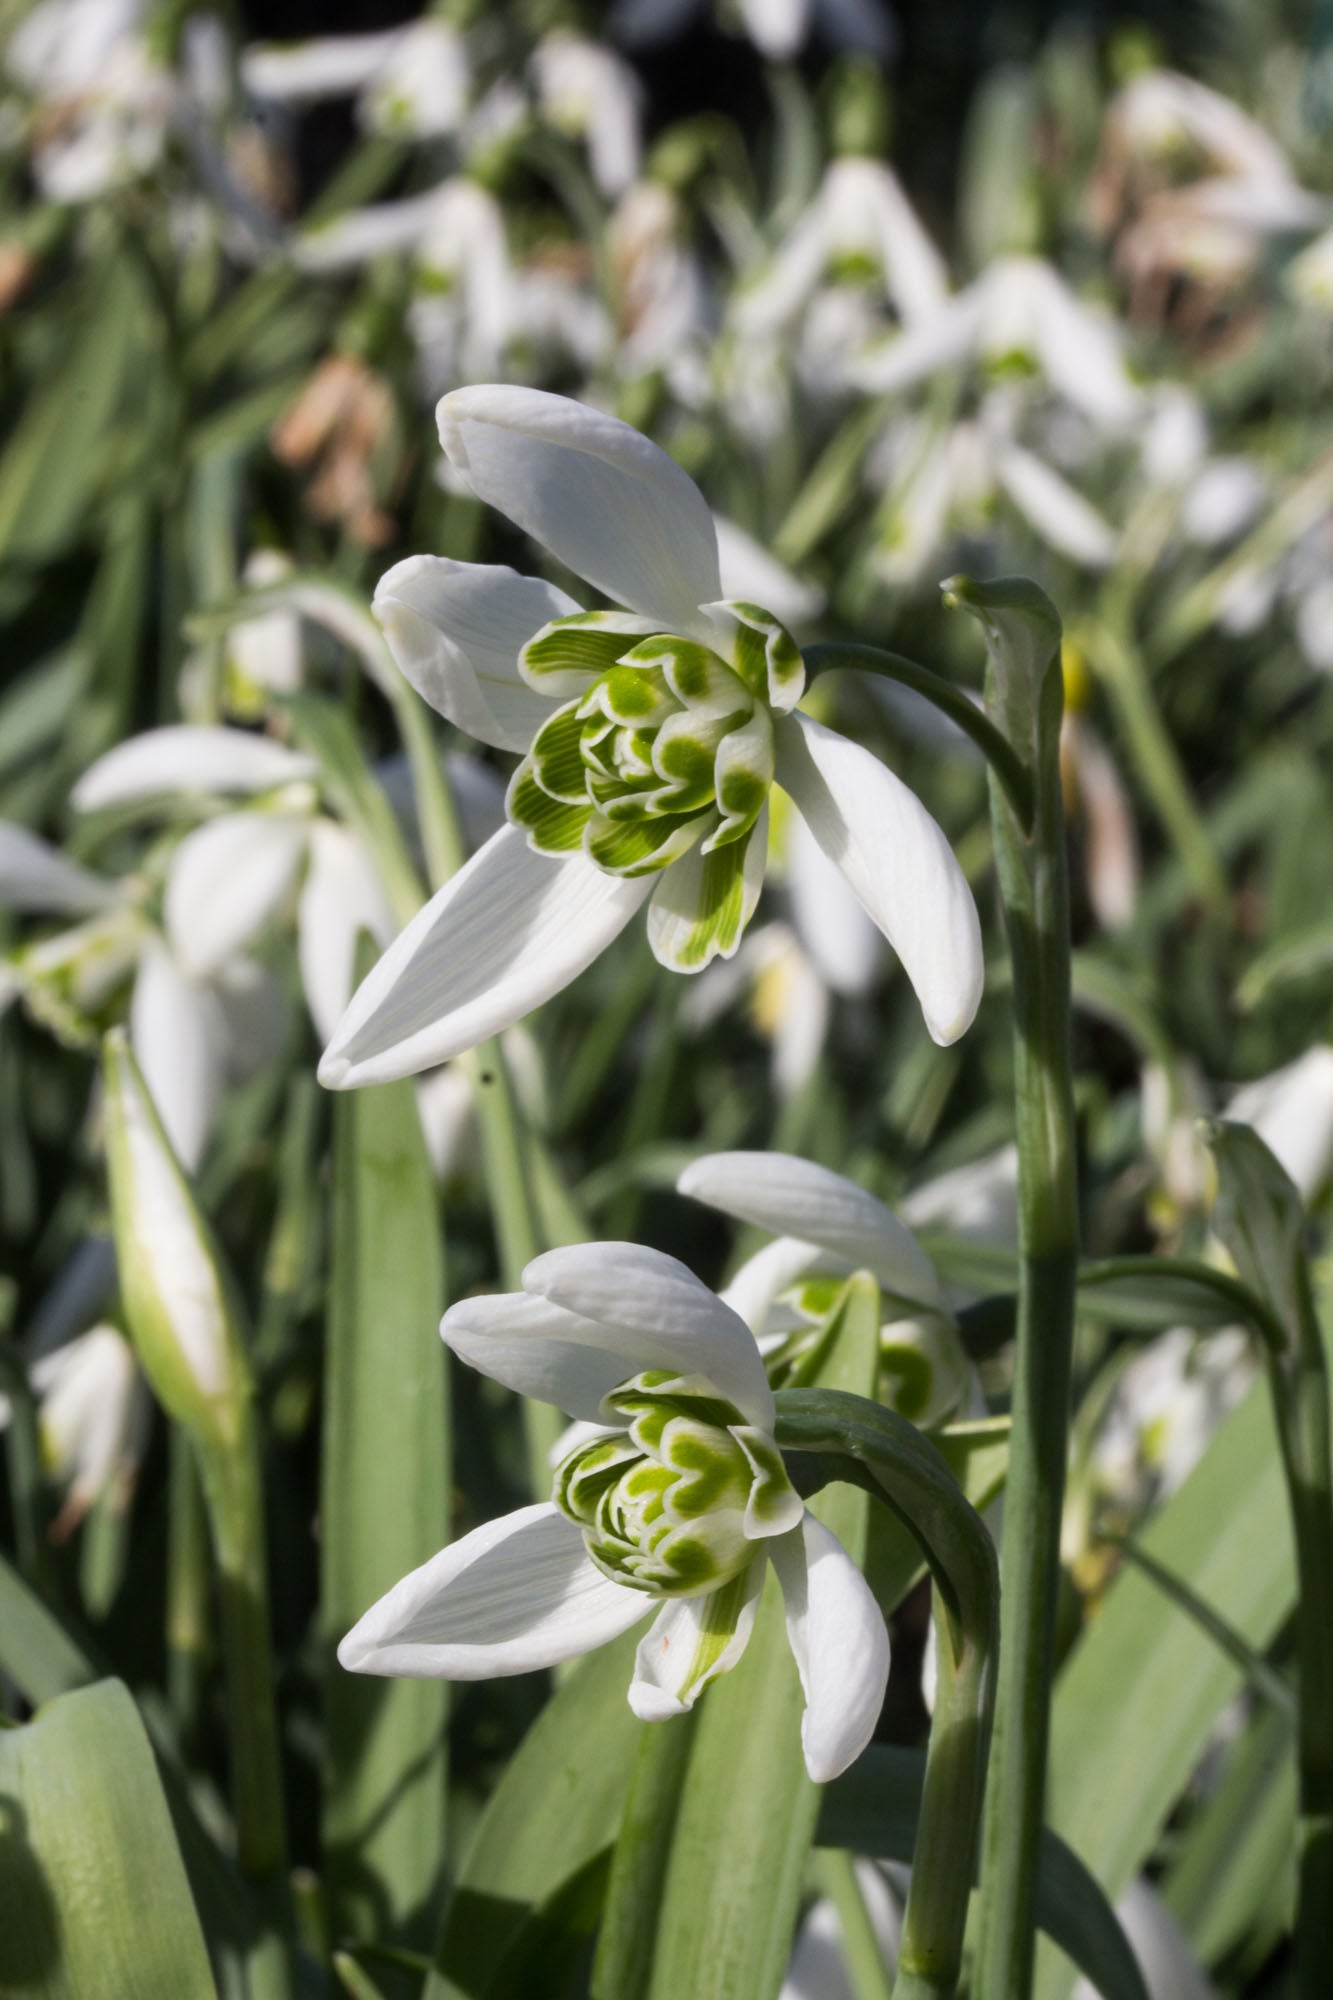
x=1002 y=759
x=1300 y=1387
x=1024 y=694
x=233 y=1494
x=854 y=1440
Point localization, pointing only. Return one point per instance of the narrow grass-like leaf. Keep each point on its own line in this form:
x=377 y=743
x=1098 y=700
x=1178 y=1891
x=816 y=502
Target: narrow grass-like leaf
x=383 y=1511
x=1144 y=1686
x=1241 y=1843
x=93 y=1895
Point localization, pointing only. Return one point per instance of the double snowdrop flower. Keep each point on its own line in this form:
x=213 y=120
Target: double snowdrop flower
x=672 y=1500
x=587 y=92
x=102 y=101
x=825 y=1227
x=650 y=737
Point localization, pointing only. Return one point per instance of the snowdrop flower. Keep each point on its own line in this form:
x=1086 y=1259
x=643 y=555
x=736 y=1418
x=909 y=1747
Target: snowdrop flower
x=1019 y=311
x=1222 y=501
x=586 y=91
x=674 y=1507
x=652 y=736
x=825 y=1227
x=103 y=100
x=1162 y=1412
x=231 y=875
x=860 y=226
x=662 y=296
x=1292 y=1111
x=192 y=1035
x=93 y=1411
x=409 y=82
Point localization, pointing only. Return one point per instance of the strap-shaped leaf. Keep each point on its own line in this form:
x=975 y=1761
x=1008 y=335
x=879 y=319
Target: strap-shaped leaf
x=384 y=1510
x=93 y=1895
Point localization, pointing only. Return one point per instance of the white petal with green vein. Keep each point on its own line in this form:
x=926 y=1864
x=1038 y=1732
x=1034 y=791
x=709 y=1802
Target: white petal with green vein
x=690 y=1642
x=516 y=1594
x=704 y=901
x=503 y=934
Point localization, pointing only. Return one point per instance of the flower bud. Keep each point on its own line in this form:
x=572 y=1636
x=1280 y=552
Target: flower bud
x=178 y=1299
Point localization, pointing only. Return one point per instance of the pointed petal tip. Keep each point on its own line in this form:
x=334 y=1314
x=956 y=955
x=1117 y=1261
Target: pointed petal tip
x=334 y=1070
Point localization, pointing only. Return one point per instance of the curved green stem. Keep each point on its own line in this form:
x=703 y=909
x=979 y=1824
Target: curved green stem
x=848 y=1438
x=1247 y=1305
x=1012 y=774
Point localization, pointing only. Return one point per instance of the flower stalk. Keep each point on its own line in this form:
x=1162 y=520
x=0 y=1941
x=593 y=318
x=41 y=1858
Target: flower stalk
x=1024 y=700
x=836 y=1436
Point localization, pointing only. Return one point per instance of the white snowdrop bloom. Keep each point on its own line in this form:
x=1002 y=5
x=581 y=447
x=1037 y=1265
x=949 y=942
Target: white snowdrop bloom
x=1314 y=625
x=588 y=92
x=1170 y=1968
x=977 y=1201
x=673 y=1507
x=409 y=82
x=860 y=224
x=1223 y=500
x=231 y=875
x=104 y=102
x=1163 y=1411
x=1019 y=311
x=1163 y=115
x=651 y=737
x=192 y=1035
x=1292 y=1111
x=92 y=1413
x=265 y=655
x=825 y=1227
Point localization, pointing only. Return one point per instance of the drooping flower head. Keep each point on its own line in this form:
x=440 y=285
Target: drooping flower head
x=650 y=734
x=671 y=1497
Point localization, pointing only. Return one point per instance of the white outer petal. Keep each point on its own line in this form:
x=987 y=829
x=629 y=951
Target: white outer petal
x=830 y=919
x=226 y=881
x=184 y=758
x=600 y=496
x=341 y=896
x=751 y=574
x=456 y=630
x=898 y=862
x=797 y=1198
x=841 y=1644
x=179 y=1036
x=661 y=1312
x=505 y=933
x=978 y=1201
x=35 y=876
x=325 y=66
x=543 y=1350
x=666 y=1652
x=516 y=1594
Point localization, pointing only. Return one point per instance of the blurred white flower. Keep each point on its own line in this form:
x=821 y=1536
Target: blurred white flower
x=1223 y=500
x=818 y=1969
x=103 y=100
x=92 y=1411
x=409 y=82
x=778 y=28
x=1170 y=1968
x=1292 y=1111
x=589 y=93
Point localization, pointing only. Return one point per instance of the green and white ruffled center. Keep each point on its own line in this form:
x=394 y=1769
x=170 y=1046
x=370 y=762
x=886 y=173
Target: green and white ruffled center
x=675 y=1504
x=661 y=749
